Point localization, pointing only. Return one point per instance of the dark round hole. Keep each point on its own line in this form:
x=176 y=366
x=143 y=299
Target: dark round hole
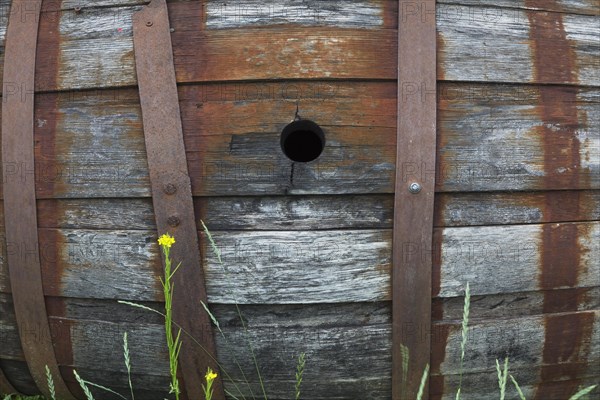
x=302 y=141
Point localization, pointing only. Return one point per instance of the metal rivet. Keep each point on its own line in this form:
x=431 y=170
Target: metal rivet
x=414 y=188
x=77 y=9
x=173 y=221
x=149 y=23
x=170 y=188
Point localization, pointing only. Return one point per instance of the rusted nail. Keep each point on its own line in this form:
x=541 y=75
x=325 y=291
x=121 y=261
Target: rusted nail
x=170 y=188
x=173 y=221
x=149 y=23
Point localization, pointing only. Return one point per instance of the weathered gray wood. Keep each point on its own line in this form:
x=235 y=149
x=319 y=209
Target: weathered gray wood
x=361 y=14
x=91 y=143
x=505 y=55
x=502 y=259
x=484 y=386
x=490 y=137
x=305 y=266
x=461 y=209
x=324 y=212
x=509 y=305
x=334 y=338
x=483 y=44
x=300 y=267
x=586 y=7
x=521 y=339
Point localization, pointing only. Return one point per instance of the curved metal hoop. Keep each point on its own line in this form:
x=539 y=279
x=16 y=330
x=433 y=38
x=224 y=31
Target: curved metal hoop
x=19 y=195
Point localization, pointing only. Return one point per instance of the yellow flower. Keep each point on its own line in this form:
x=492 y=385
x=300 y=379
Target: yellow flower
x=166 y=240
x=210 y=375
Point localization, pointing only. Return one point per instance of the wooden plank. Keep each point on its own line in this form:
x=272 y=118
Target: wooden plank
x=585 y=7
x=512 y=305
x=314 y=266
x=509 y=138
x=492 y=138
x=489 y=257
x=468 y=209
x=510 y=42
x=334 y=338
x=65 y=62
x=345 y=13
x=324 y=212
x=522 y=340
x=484 y=386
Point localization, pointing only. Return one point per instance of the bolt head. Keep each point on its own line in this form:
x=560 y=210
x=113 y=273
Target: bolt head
x=169 y=188
x=173 y=221
x=414 y=188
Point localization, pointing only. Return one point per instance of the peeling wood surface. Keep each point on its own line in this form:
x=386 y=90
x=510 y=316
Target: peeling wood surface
x=278 y=52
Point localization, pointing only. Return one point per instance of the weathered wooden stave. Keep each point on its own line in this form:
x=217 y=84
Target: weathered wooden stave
x=549 y=213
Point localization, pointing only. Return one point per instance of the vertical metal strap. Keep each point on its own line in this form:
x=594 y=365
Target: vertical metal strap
x=171 y=189
x=19 y=195
x=414 y=188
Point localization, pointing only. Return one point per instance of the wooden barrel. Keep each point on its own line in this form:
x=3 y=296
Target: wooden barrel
x=307 y=246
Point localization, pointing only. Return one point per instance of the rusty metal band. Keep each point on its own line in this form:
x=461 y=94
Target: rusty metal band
x=171 y=189
x=23 y=257
x=5 y=385
x=414 y=193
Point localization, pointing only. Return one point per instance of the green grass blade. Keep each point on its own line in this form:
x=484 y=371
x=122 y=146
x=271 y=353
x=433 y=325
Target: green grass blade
x=423 y=382
x=127 y=363
x=502 y=377
x=583 y=392
x=465 y=335
x=82 y=383
x=50 y=383
x=106 y=389
x=405 y=352
x=514 y=381
x=300 y=373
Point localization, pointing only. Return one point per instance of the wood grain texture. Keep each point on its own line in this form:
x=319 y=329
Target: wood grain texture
x=279 y=51
x=273 y=213
x=333 y=336
x=585 y=7
x=312 y=266
x=512 y=305
x=346 y=13
x=490 y=138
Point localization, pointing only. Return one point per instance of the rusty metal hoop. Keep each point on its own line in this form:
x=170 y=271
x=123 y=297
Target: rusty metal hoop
x=20 y=212
x=414 y=193
x=171 y=188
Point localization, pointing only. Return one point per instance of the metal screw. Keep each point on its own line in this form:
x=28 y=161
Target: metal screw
x=149 y=23
x=77 y=9
x=173 y=221
x=170 y=188
x=414 y=188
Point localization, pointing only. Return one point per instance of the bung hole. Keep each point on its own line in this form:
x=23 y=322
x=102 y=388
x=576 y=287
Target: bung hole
x=302 y=141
